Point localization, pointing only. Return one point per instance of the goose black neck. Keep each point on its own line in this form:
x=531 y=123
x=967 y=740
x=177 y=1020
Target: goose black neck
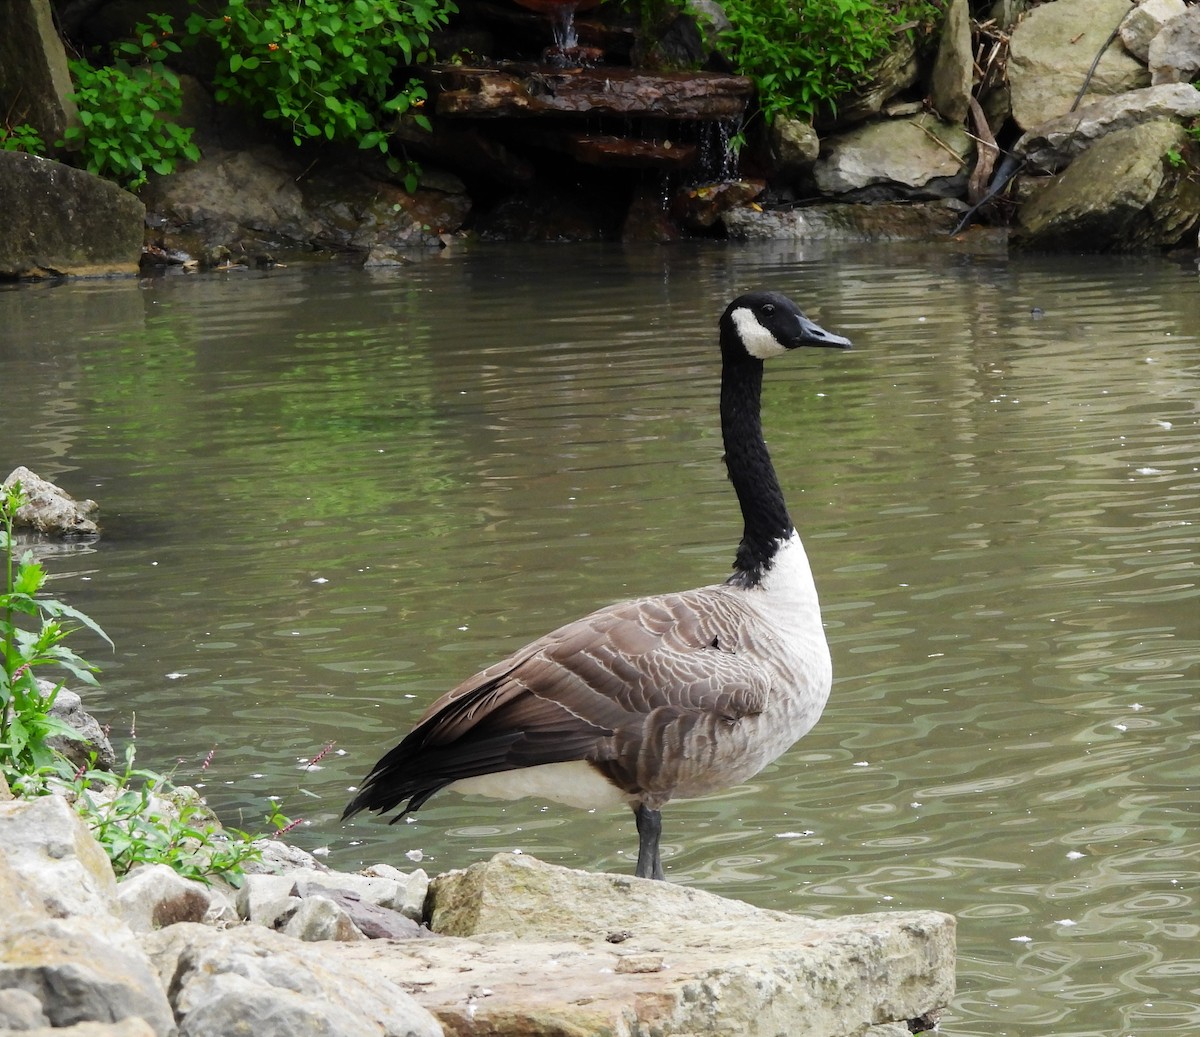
x=764 y=511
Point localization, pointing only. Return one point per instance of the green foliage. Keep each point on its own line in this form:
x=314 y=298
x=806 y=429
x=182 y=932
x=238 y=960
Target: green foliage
x=325 y=67
x=139 y=817
x=25 y=722
x=803 y=56
x=125 y=109
x=22 y=138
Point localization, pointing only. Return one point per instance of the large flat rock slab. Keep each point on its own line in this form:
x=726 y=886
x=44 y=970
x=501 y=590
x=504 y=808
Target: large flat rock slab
x=514 y=90
x=579 y=952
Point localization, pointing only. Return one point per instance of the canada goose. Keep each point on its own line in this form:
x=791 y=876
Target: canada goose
x=667 y=697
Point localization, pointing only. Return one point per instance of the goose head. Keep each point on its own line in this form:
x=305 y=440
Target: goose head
x=766 y=324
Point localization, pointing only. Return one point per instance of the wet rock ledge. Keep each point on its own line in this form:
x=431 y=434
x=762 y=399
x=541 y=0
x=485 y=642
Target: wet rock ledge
x=510 y=946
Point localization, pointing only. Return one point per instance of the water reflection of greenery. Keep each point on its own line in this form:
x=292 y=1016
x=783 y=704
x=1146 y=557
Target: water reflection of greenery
x=317 y=411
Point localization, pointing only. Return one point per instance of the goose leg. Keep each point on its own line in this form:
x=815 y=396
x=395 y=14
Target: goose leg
x=649 y=826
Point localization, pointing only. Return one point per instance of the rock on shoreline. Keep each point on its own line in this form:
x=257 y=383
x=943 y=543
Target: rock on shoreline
x=517 y=947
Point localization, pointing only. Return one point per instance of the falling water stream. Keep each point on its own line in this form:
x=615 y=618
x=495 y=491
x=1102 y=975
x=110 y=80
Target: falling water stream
x=329 y=494
x=562 y=21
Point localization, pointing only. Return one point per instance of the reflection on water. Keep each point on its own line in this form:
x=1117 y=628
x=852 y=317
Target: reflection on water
x=328 y=495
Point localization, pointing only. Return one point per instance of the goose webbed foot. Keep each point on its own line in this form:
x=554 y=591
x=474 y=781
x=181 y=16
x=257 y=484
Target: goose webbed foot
x=649 y=826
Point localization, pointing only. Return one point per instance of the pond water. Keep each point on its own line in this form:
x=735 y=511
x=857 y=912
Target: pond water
x=328 y=495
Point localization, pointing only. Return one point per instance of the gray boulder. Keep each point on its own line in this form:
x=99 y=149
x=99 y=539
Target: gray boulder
x=155 y=895
x=954 y=66
x=913 y=157
x=91 y=739
x=683 y=960
x=64 y=871
x=794 y=147
x=252 y=980
x=1143 y=23
x=1129 y=191
x=262 y=199
x=1052 y=145
x=314 y=905
x=60 y=941
x=927 y=221
x=396 y=891
x=60 y=221
x=412 y=888
x=258 y=894
x=81 y=974
x=317 y=918
x=49 y=508
x=1051 y=51
x=1174 y=55
x=35 y=82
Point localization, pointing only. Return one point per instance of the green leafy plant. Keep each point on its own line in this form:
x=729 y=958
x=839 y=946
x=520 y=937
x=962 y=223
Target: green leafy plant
x=125 y=109
x=22 y=138
x=26 y=725
x=326 y=67
x=804 y=56
x=140 y=817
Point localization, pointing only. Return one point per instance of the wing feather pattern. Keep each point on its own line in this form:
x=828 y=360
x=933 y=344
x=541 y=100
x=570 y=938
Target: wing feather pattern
x=626 y=688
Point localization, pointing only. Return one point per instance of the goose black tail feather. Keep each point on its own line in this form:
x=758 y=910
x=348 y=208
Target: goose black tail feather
x=418 y=767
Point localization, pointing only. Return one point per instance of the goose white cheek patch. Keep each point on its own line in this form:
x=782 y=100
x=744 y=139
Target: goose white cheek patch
x=759 y=342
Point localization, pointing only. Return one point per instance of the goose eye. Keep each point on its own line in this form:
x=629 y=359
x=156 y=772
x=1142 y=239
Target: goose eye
x=768 y=309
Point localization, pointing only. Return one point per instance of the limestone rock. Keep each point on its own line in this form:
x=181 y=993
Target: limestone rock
x=510 y=892
x=20 y=1010
x=319 y=918
x=35 y=82
x=259 y=893
x=390 y=888
x=1142 y=24
x=414 y=886
x=1053 y=144
x=279 y=858
x=49 y=508
x=60 y=942
x=794 y=147
x=79 y=975
x=63 y=221
x=1051 y=51
x=365 y=918
x=676 y=960
x=264 y=198
x=1174 y=54
x=1129 y=191
x=954 y=67
x=915 y=157
x=844 y=222
x=68 y=707
x=70 y=874
x=251 y=980
x=154 y=895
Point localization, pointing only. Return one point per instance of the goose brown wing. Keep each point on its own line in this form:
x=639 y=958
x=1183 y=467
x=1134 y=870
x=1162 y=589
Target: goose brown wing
x=596 y=690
